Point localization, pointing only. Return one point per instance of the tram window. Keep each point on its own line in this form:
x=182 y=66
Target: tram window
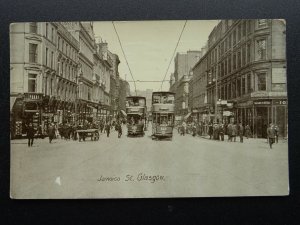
x=170 y=99
x=135 y=119
x=163 y=119
x=156 y=99
x=164 y=99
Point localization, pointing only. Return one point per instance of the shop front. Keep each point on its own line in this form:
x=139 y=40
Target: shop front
x=259 y=113
x=25 y=109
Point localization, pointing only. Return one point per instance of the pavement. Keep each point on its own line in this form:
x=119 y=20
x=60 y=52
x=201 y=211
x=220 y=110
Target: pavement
x=135 y=167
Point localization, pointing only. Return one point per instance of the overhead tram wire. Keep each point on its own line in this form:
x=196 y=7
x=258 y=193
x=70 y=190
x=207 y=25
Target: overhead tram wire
x=124 y=56
x=173 y=55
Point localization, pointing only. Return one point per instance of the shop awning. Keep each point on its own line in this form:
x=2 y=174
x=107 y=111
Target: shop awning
x=123 y=112
x=187 y=116
x=12 y=102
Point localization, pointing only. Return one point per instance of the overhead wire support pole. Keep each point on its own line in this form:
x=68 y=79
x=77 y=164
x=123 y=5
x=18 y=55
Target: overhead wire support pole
x=124 y=56
x=173 y=54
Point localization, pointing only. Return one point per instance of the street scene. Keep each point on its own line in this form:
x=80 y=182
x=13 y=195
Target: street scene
x=191 y=166
x=184 y=109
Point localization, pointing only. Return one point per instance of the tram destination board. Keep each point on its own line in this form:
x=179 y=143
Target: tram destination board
x=186 y=108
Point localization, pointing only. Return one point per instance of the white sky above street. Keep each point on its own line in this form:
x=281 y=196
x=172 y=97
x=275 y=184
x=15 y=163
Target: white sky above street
x=149 y=46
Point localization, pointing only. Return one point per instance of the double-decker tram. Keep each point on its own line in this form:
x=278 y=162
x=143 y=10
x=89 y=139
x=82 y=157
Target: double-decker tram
x=162 y=114
x=136 y=115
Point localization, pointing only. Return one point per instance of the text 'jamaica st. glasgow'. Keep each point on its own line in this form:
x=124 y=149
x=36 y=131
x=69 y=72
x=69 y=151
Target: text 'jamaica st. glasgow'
x=141 y=177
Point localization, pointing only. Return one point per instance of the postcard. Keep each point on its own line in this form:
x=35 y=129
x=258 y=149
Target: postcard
x=148 y=109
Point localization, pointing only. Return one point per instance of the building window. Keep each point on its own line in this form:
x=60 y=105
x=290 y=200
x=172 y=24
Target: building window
x=69 y=73
x=222 y=69
x=229 y=42
x=52 y=59
x=89 y=94
x=262 y=23
x=243 y=85
x=225 y=69
x=33 y=28
x=249 y=27
x=47 y=30
x=58 y=43
x=244 y=28
x=33 y=53
x=261 y=82
x=62 y=45
x=239 y=60
x=234 y=62
x=51 y=86
x=261 y=49
x=239 y=32
x=234 y=37
x=32 y=83
x=248 y=52
x=46 y=59
x=62 y=69
x=229 y=64
x=244 y=55
x=238 y=87
x=233 y=89
x=248 y=83
x=52 y=34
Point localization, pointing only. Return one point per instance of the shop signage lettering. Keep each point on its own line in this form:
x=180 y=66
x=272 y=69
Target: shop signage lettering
x=280 y=102
x=262 y=103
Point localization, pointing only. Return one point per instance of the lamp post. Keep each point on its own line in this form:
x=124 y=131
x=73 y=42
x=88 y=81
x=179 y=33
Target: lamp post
x=216 y=97
x=77 y=95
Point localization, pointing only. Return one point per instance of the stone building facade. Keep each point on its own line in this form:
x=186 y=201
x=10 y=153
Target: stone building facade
x=245 y=69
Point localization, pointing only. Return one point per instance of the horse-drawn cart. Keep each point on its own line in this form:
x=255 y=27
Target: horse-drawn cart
x=92 y=133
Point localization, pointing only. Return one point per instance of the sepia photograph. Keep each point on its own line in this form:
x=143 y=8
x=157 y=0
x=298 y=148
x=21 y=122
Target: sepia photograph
x=148 y=109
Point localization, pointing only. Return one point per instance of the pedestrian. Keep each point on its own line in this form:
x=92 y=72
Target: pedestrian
x=107 y=129
x=271 y=135
x=40 y=132
x=183 y=128
x=210 y=130
x=101 y=126
x=247 y=131
x=221 y=131
x=229 y=131
x=119 y=129
x=51 y=132
x=216 y=131
x=234 y=132
x=30 y=134
x=241 y=132
x=194 y=130
x=276 y=128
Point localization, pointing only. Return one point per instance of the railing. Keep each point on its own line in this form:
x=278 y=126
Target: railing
x=33 y=96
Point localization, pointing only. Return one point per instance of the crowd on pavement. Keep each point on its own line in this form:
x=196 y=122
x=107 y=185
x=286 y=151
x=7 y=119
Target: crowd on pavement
x=71 y=131
x=217 y=131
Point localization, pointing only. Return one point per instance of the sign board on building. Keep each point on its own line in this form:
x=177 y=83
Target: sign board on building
x=227 y=113
x=259 y=94
x=262 y=102
x=278 y=75
x=229 y=105
x=280 y=102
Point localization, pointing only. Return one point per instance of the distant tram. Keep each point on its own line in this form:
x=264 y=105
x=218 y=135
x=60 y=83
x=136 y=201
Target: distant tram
x=136 y=115
x=162 y=114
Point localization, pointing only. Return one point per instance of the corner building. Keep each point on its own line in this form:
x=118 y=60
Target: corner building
x=246 y=66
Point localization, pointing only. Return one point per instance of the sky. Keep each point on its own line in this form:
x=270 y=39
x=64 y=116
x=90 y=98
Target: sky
x=149 y=47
